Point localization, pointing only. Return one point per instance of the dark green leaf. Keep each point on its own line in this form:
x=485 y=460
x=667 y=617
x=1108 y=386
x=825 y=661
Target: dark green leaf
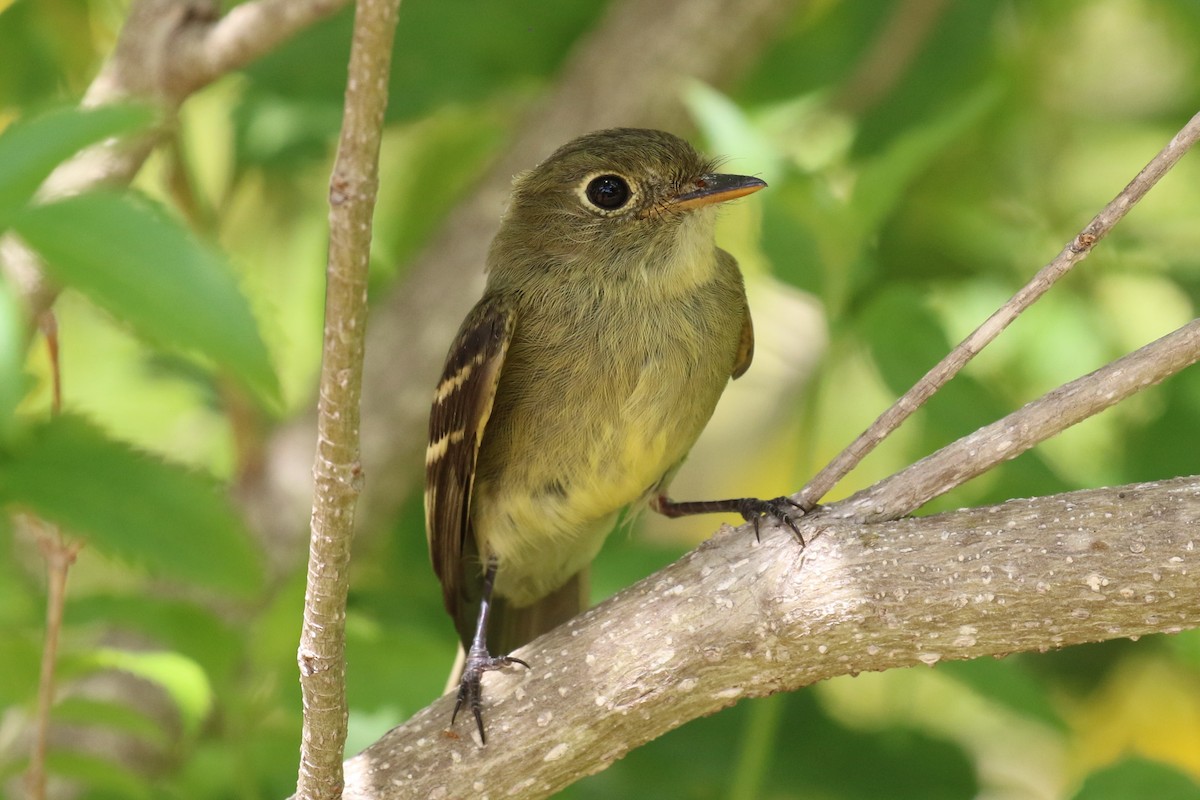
x=905 y=337
x=1136 y=777
x=885 y=179
x=810 y=755
x=113 y=716
x=103 y=776
x=129 y=504
x=800 y=229
x=143 y=267
x=1008 y=682
x=32 y=148
x=178 y=625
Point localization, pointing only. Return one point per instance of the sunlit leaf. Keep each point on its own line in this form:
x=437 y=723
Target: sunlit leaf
x=143 y=267
x=182 y=679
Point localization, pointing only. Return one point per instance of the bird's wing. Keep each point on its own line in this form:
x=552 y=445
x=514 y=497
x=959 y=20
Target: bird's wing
x=745 y=351
x=462 y=404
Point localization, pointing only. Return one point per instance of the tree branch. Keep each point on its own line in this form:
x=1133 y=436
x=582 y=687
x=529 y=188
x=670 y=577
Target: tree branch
x=337 y=472
x=736 y=619
x=1047 y=276
x=1005 y=439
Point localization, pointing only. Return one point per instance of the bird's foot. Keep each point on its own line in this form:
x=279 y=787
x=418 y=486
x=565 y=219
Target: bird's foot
x=470 y=687
x=783 y=510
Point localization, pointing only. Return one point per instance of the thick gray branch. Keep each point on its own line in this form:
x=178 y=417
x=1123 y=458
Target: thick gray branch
x=737 y=619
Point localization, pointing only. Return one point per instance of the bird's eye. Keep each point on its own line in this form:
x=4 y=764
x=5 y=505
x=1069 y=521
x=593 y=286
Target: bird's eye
x=608 y=192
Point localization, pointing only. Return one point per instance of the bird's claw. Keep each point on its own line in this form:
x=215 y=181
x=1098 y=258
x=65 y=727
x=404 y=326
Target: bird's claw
x=470 y=687
x=784 y=510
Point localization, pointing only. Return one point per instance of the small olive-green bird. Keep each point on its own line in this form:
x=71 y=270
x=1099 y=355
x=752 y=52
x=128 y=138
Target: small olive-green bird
x=610 y=324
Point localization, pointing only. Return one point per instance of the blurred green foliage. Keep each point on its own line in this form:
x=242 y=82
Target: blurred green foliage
x=910 y=202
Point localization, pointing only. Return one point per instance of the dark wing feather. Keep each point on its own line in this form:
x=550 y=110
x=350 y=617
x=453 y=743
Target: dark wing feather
x=461 y=406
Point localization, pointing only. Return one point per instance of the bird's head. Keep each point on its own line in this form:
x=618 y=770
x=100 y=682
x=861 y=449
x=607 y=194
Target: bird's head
x=622 y=201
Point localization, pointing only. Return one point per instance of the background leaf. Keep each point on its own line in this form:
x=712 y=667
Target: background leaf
x=1138 y=777
x=129 y=504
x=141 y=265
x=30 y=149
x=12 y=346
x=182 y=679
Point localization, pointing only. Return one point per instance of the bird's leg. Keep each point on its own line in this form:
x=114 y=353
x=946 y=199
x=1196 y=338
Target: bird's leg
x=784 y=510
x=479 y=660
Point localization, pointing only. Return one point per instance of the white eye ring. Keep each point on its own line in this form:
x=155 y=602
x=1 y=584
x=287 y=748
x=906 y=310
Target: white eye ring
x=607 y=193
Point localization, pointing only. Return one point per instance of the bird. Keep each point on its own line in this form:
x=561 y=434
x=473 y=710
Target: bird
x=609 y=326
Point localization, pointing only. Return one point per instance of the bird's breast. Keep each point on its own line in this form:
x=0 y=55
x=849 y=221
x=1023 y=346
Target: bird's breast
x=595 y=404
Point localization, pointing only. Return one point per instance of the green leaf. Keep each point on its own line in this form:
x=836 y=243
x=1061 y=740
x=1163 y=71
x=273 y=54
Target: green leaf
x=905 y=337
x=115 y=716
x=22 y=649
x=1136 y=777
x=31 y=149
x=12 y=380
x=885 y=179
x=179 y=677
x=142 y=266
x=129 y=504
x=1008 y=682
x=104 y=777
x=179 y=625
x=728 y=131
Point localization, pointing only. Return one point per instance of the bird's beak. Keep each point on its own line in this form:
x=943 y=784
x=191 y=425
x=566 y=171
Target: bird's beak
x=717 y=188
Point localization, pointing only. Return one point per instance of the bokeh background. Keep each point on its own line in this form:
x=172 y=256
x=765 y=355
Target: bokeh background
x=924 y=157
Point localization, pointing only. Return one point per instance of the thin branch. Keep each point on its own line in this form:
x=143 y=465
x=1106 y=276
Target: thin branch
x=247 y=32
x=735 y=619
x=60 y=554
x=337 y=471
x=949 y=366
x=1005 y=439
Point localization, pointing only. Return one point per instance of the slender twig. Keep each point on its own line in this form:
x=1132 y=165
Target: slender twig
x=60 y=554
x=337 y=470
x=1007 y=438
x=248 y=31
x=949 y=366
